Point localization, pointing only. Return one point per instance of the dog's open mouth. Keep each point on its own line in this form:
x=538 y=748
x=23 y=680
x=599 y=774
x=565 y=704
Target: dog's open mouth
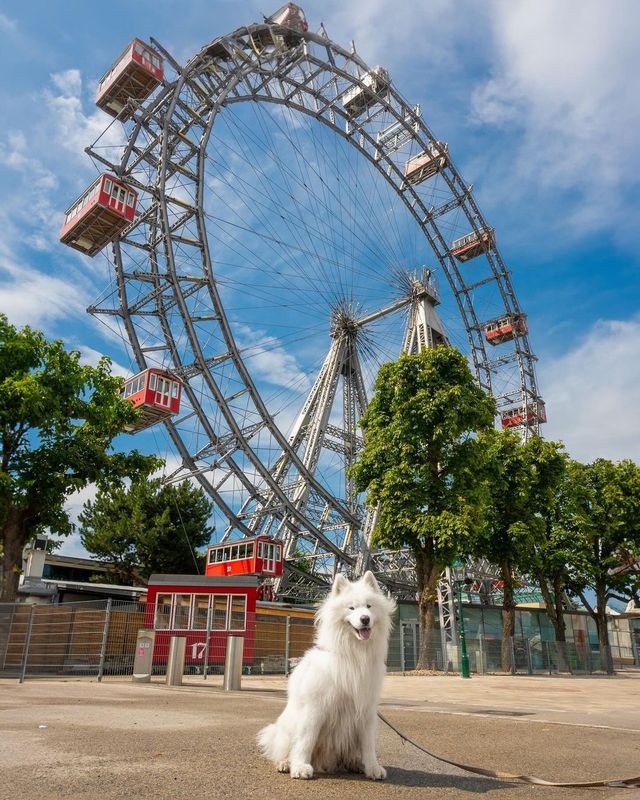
x=363 y=633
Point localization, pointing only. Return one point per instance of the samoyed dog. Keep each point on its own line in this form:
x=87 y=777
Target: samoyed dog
x=330 y=720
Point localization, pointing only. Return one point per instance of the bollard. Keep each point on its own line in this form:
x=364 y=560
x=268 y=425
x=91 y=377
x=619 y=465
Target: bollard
x=143 y=659
x=233 y=664
x=175 y=663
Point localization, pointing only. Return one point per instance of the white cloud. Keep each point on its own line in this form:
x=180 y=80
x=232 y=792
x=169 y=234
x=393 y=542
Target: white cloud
x=91 y=357
x=593 y=393
x=30 y=297
x=71 y=128
x=267 y=359
x=7 y=25
x=567 y=76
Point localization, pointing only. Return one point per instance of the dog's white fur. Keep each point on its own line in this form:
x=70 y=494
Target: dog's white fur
x=330 y=720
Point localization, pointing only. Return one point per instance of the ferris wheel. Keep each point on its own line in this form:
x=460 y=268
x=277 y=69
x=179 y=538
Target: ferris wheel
x=280 y=222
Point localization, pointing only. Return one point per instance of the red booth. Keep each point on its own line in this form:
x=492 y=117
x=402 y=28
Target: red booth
x=205 y=610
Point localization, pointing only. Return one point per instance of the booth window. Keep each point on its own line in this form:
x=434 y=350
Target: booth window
x=163 y=612
x=200 y=612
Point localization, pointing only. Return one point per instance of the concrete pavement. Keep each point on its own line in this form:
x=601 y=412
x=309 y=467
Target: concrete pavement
x=81 y=740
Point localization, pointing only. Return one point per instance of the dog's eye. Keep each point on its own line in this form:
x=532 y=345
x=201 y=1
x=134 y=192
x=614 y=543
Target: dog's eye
x=368 y=606
x=352 y=608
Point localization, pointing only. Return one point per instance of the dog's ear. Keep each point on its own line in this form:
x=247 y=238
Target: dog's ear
x=369 y=580
x=339 y=584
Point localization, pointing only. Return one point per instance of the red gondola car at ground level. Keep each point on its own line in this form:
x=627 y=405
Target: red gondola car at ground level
x=156 y=392
x=261 y=556
x=99 y=215
x=506 y=328
x=203 y=609
x=134 y=74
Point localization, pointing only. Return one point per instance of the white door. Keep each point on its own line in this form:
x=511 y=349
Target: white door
x=163 y=392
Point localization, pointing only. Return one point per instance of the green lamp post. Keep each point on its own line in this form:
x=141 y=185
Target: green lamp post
x=464 y=657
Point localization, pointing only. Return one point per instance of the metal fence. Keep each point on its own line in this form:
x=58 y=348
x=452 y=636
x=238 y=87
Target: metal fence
x=98 y=638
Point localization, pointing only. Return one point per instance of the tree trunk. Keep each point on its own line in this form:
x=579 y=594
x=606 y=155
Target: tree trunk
x=555 y=611
x=606 y=662
x=427 y=573
x=508 y=615
x=14 y=537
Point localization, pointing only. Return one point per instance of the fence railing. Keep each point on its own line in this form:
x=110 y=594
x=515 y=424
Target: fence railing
x=98 y=638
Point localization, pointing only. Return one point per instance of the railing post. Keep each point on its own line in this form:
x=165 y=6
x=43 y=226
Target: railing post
x=105 y=637
x=27 y=642
x=287 y=644
x=529 y=659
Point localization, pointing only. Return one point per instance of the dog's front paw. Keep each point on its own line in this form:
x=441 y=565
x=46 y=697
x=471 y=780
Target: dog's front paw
x=304 y=771
x=375 y=772
x=282 y=766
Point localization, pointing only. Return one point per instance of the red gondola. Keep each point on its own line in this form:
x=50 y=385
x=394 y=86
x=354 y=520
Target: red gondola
x=133 y=75
x=155 y=391
x=427 y=163
x=472 y=244
x=505 y=328
x=359 y=98
x=524 y=415
x=261 y=556
x=99 y=215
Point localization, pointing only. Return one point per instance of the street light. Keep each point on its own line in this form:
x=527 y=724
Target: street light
x=464 y=657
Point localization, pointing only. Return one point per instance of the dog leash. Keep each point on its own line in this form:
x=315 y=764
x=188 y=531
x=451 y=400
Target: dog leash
x=624 y=783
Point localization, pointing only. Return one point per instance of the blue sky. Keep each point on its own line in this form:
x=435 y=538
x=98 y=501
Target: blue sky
x=538 y=101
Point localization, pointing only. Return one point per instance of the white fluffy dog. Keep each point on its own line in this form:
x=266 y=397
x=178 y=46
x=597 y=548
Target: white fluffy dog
x=330 y=720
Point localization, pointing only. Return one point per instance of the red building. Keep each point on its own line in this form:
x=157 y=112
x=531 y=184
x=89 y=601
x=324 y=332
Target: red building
x=99 y=215
x=205 y=610
x=156 y=392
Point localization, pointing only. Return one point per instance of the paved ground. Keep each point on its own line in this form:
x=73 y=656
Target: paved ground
x=81 y=740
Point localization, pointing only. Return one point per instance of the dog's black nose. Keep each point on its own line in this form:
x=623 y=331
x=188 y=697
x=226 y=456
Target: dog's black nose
x=364 y=619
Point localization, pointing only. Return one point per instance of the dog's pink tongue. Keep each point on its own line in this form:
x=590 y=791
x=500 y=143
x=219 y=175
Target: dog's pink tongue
x=365 y=633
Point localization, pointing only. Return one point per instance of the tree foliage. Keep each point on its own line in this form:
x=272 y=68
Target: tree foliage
x=603 y=502
x=146 y=528
x=419 y=464
x=521 y=480
x=58 y=419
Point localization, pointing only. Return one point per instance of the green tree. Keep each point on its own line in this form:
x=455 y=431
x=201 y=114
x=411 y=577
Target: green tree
x=605 y=506
x=148 y=527
x=57 y=422
x=520 y=479
x=419 y=466
x=553 y=551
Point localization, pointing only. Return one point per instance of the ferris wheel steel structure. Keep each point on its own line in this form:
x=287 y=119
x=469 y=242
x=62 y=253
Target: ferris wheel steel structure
x=167 y=297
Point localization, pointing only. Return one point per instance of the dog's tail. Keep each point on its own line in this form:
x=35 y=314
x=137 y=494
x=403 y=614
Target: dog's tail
x=274 y=742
